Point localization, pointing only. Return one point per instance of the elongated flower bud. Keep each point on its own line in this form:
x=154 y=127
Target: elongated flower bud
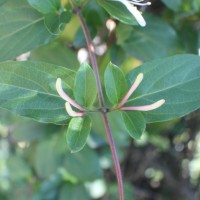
x=132 y=89
x=147 y=107
x=71 y=112
x=64 y=96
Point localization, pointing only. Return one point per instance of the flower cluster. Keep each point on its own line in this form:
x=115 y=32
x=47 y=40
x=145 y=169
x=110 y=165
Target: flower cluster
x=70 y=102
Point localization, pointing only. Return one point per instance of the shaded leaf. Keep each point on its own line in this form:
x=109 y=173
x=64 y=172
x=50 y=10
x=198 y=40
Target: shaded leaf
x=134 y=122
x=83 y=165
x=77 y=133
x=45 y=6
x=28 y=89
x=48 y=156
x=157 y=39
x=55 y=23
x=175 y=5
x=56 y=53
x=118 y=10
x=73 y=192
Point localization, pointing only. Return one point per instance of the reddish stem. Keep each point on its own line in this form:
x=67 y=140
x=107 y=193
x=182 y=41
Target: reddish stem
x=115 y=157
x=92 y=56
x=102 y=105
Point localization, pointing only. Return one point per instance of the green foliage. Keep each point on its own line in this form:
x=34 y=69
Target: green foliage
x=77 y=133
x=28 y=89
x=73 y=192
x=45 y=6
x=36 y=161
x=135 y=123
x=115 y=83
x=21 y=29
x=173 y=4
x=56 y=23
x=118 y=10
x=158 y=39
x=56 y=53
x=85 y=90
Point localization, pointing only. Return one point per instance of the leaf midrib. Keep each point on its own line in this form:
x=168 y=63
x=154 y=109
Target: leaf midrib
x=161 y=90
x=20 y=29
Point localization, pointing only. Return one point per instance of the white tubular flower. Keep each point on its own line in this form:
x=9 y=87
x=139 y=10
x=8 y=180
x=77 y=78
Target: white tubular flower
x=69 y=101
x=134 y=86
x=134 y=11
x=71 y=112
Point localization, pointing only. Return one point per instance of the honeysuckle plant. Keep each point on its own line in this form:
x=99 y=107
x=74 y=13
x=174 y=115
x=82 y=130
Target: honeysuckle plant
x=158 y=90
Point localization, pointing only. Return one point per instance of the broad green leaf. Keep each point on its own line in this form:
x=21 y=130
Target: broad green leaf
x=118 y=10
x=21 y=29
x=117 y=55
x=134 y=122
x=45 y=6
x=55 y=23
x=94 y=14
x=175 y=5
x=117 y=126
x=73 y=192
x=175 y=79
x=77 y=133
x=85 y=90
x=157 y=39
x=28 y=89
x=29 y=131
x=56 y=53
x=83 y=165
x=52 y=149
x=115 y=83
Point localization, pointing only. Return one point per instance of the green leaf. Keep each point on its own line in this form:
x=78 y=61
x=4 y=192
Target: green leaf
x=175 y=79
x=45 y=6
x=157 y=39
x=52 y=149
x=115 y=83
x=85 y=90
x=73 y=192
x=56 y=53
x=117 y=55
x=118 y=10
x=77 y=133
x=134 y=122
x=55 y=23
x=28 y=89
x=175 y=5
x=21 y=29
x=83 y=165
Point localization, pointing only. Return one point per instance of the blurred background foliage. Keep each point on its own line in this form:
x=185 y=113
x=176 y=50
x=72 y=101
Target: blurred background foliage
x=35 y=163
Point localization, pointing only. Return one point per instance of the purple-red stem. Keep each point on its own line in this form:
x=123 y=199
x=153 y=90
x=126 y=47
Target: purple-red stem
x=102 y=105
x=92 y=57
